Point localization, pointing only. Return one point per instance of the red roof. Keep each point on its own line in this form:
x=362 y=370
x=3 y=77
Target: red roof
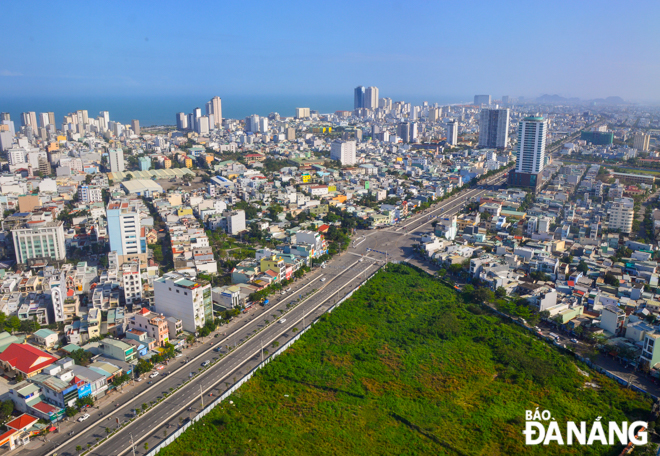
x=4 y=438
x=69 y=292
x=323 y=228
x=144 y=311
x=43 y=407
x=26 y=358
x=22 y=422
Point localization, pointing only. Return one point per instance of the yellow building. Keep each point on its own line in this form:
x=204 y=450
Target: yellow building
x=167 y=163
x=340 y=199
x=53 y=146
x=306 y=178
x=184 y=211
x=399 y=159
x=332 y=188
x=61 y=138
x=188 y=162
x=275 y=264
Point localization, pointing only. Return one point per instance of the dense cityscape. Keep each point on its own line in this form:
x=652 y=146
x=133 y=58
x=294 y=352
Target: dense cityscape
x=346 y=229
x=130 y=252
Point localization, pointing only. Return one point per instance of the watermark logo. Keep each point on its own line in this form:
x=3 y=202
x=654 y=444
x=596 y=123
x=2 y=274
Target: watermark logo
x=542 y=429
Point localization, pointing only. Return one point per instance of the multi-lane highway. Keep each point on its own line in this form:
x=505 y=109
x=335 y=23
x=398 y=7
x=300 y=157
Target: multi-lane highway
x=180 y=400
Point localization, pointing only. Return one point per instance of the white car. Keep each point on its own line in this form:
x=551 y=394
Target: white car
x=155 y=374
x=206 y=363
x=323 y=279
x=139 y=379
x=281 y=320
x=179 y=355
x=84 y=417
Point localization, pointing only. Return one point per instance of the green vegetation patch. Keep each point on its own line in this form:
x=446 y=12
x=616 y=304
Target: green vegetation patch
x=406 y=367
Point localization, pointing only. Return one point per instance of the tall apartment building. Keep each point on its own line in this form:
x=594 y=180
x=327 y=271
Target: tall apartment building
x=116 y=160
x=302 y=113
x=530 y=152
x=215 y=108
x=125 y=232
x=480 y=100
x=39 y=239
x=494 y=128
x=89 y=194
x=189 y=301
x=29 y=119
x=641 y=141
x=452 y=132
x=235 y=221
x=135 y=126
x=407 y=131
x=358 y=97
x=622 y=214
x=343 y=151
x=203 y=125
x=181 y=121
x=131 y=281
x=371 y=97
x=290 y=134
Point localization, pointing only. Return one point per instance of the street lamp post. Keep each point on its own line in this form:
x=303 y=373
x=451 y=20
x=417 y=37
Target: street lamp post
x=132 y=444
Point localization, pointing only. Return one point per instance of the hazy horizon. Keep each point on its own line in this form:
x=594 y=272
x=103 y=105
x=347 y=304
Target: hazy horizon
x=573 y=49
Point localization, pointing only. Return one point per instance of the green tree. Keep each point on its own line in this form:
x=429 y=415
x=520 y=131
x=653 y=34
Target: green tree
x=83 y=401
x=143 y=366
x=81 y=357
x=500 y=292
x=611 y=279
x=582 y=267
x=13 y=324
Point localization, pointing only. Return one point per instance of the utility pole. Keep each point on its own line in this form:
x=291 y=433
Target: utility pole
x=132 y=444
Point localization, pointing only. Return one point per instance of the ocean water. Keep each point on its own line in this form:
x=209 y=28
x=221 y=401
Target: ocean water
x=161 y=110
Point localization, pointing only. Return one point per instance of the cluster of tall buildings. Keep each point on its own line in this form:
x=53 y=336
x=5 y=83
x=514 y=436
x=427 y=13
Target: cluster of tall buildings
x=80 y=122
x=202 y=124
x=366 y=97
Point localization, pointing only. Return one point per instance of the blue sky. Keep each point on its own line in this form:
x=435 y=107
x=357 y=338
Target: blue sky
x=421 y=48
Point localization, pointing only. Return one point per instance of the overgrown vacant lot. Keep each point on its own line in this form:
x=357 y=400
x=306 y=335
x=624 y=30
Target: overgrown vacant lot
x=405 y=367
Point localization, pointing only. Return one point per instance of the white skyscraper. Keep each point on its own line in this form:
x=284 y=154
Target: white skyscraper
x=494 y=128
x=203 y=125
x=252 y=123
x=44 y=119
x=116 y=159
x=216 y=110
x=343 y=151
x=263 y=125
x=371 y=97
x=530 y=151
x=452 y=132
x=181 y=121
